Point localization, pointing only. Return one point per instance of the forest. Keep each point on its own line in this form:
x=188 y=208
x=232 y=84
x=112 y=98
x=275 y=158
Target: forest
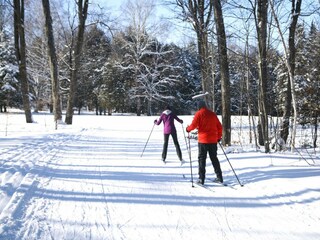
x=254 y=57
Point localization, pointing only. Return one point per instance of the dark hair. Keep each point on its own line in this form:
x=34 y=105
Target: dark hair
x=168 y=108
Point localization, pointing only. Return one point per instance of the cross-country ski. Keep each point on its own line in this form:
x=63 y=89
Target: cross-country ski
x=218 y=182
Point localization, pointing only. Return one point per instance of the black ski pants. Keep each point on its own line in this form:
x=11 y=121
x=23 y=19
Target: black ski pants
x=210 y=148
x=176 y=144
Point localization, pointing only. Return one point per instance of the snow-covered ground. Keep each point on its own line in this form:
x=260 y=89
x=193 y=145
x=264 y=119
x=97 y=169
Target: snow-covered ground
x=89 y=181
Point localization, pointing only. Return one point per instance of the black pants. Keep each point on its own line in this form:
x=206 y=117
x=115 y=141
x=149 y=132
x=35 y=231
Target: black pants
x=176 y=143
x=210 y=148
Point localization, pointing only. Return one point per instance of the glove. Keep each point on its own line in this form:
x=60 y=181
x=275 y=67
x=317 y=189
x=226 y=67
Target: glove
x=219 y=140
x=187 y=129
x=155 y=121
x=181 y=121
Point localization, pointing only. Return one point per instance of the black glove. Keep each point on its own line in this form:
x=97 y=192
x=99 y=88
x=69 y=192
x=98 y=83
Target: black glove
x=181 y=121
x=187 y=129
x=219 y=140
x=155 y=121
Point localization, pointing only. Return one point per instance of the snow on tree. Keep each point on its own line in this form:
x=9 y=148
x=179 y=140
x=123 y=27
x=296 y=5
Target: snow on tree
x=308 y=81
x=147 y=61
x=96 y=52
x=9 y=85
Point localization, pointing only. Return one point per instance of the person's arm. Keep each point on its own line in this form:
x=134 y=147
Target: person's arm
x=178 y=119
x=157 y=122
x=194 y=124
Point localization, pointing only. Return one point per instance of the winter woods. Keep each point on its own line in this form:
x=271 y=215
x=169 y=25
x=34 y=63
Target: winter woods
x=255 y=58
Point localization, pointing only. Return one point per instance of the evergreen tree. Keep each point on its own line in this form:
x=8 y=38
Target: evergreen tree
x=9 y=85
x=308 y=74
x=96 y=52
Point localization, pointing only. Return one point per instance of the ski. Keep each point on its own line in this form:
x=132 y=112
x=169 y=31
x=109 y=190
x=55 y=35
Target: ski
x=207 y=187
x=220 y=183
x=224 y=184
x=182 y=162
x=211 y=180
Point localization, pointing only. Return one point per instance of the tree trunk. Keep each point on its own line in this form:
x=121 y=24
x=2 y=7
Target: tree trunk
x=201 y=28
x=52 y=61
x=224 y=67
x=205 y=68
x=284 y=130
x=149 y=107
x=82 y=15
x=261 y=25
x=248 y=90
x=20 y=46
x=213 y=74
x=315 y=131
x=138 y=106
x=295 y=12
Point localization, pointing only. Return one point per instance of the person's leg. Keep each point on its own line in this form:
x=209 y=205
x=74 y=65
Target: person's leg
x=165 y=146
x=215 y=161
x=176 y=144
x=202 y=155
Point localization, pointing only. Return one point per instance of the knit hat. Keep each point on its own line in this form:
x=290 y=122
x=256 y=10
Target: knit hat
x=201 y=104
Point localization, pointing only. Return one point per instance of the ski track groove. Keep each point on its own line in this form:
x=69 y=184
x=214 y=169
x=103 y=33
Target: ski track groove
x=84 y=208
x=106 y=209
x=105 y=200
x=37 y=155
x=226 y=215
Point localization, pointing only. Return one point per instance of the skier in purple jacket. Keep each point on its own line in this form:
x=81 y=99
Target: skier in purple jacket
x=168 y=117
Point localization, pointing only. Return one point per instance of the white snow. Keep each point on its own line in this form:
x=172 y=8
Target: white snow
x=89 y=181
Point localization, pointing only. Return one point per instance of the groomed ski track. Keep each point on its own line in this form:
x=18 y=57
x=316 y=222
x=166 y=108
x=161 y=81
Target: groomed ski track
x=89 y=182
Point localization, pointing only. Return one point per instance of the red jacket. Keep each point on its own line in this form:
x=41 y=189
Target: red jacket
x=208 y=125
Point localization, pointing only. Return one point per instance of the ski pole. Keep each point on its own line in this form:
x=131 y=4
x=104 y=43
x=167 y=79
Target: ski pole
x=230 y=165
x=184 y=135
x=189 y=151
x=147 y=140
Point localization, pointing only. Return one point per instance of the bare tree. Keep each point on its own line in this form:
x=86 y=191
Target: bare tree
x=145 y=57
x=82 y=7
x=199 y=14
x=139 y=14
x=290 y=52
x=52 y=62
x=20 y=46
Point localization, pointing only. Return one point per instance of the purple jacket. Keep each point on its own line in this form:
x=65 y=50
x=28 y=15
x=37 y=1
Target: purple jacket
x=168 y=118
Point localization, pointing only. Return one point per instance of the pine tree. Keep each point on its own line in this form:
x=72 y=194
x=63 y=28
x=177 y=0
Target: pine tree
x=308 y=78
x=9 y=85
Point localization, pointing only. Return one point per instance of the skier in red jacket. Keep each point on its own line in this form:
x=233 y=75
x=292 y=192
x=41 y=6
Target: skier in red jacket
x=209 y=134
